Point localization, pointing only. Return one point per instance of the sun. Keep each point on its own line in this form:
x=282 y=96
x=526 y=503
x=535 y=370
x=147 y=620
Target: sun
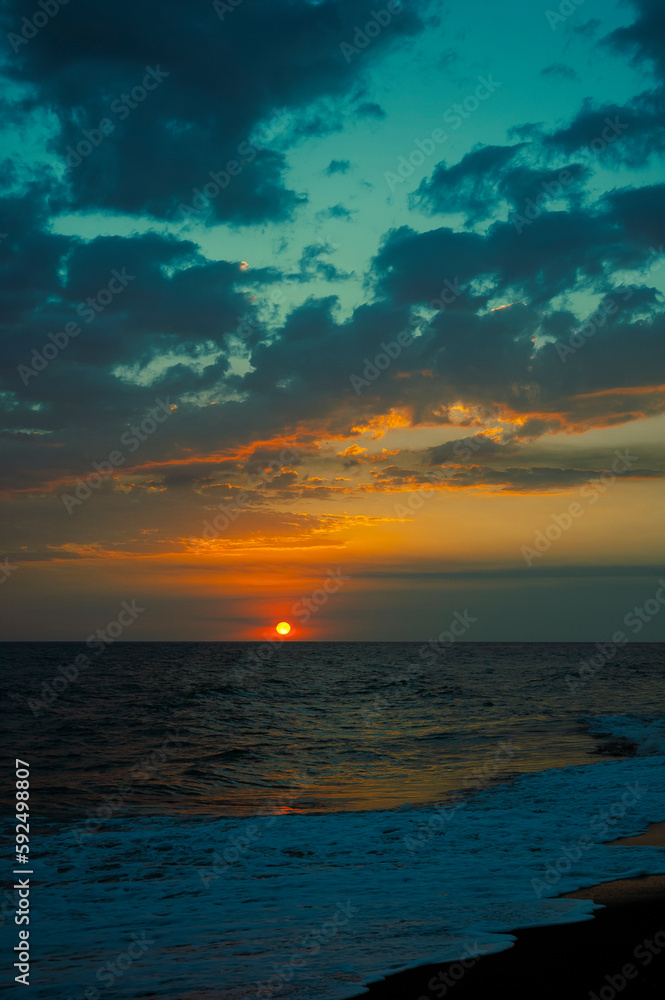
x=283 y=628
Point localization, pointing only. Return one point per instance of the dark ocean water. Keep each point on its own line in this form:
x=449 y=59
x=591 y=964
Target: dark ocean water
x=230 y=807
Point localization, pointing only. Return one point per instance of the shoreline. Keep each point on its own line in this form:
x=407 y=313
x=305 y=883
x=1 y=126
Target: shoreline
x=620 y=951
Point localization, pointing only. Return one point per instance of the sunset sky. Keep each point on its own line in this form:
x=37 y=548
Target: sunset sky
x=387 y=304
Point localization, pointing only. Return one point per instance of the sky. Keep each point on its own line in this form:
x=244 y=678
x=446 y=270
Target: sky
x=339 y=314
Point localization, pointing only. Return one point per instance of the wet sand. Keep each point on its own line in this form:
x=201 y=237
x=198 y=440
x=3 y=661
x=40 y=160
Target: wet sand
x=620 y=952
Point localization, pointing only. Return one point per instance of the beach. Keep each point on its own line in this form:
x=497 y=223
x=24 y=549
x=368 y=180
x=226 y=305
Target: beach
x=619 y=951
x=311 y=829
x=332 y=662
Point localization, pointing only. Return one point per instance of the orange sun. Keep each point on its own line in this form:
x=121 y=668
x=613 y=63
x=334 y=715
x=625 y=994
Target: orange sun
x=283 y=628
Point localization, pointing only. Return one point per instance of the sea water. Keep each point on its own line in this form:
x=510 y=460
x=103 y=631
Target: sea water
x=208 y=823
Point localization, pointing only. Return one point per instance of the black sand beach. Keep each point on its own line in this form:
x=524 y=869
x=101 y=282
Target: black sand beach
x=620 y=952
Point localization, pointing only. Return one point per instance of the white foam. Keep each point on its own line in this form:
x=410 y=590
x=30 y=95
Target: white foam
x=493 y=864
x=645 y=732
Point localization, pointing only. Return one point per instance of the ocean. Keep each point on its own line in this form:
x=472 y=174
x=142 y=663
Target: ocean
x=297 y=820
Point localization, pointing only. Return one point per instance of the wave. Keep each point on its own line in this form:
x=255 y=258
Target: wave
x=641 y=734
x=319 y=905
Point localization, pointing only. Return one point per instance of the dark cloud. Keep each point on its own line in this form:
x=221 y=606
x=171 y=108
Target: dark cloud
x=339 y=211
x=338 y=167
x=645 y=37
x=587 y=29
x=173 y=132
x=311 y=266
x=168 y=335
x=534 y=259
x=468 y=186
x=149 y=304
x=492 y=357
x=535 y=479
x=371 y=110
x=559 y=71
x=639 y=211
x=178 y=328
x=519 y=480
x=614 y=134
x=490 y=176
x=480 y=447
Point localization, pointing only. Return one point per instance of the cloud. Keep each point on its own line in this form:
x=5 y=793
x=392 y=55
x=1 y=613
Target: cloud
x=587 y=29
x=281 y=58
x=183 y=318
x=338 y=211
x=469 y=186
x=644 y=39
x=338 y=167
x=311 y=266
x=559 y=71
x=370 y=110
x=274 y=530
x=614 y=134
x=206 y=334
x=480 y=447
x=491 y=177
x=536 y=479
